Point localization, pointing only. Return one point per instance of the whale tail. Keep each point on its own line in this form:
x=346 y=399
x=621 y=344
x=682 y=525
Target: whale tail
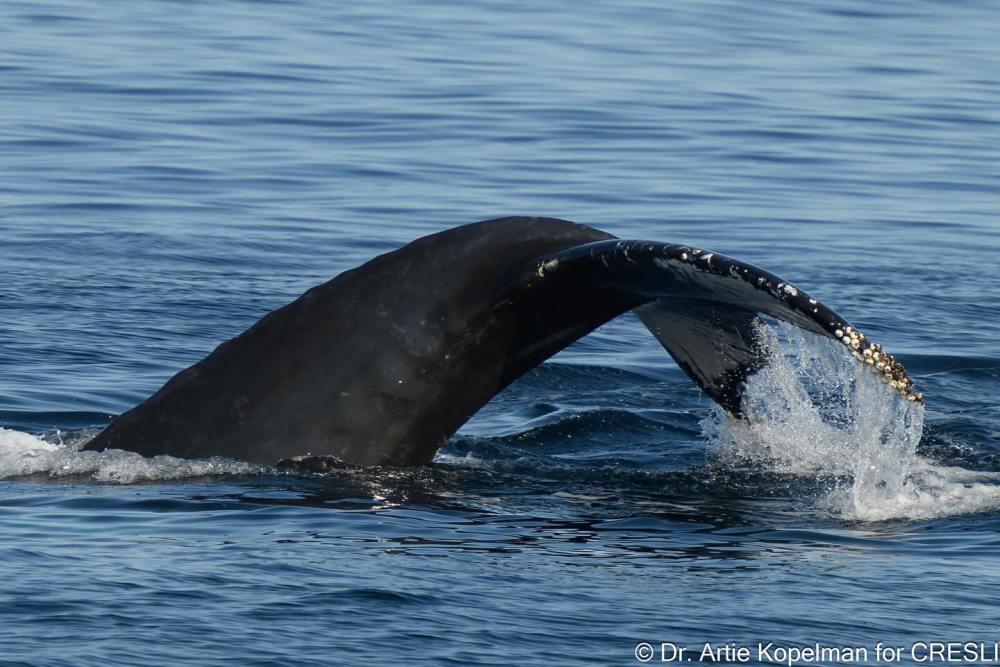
x=384 y=362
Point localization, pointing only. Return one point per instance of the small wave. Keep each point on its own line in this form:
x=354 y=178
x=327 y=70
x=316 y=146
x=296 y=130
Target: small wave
x=813 y=411
x=23 y=454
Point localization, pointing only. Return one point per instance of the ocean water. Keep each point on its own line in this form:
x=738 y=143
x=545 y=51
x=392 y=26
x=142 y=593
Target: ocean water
x=171 y=171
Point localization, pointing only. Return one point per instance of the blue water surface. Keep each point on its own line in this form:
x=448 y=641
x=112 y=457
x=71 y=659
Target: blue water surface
x=171 y=171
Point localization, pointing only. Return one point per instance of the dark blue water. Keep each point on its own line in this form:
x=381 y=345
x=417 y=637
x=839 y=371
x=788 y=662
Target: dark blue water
x=169 y=172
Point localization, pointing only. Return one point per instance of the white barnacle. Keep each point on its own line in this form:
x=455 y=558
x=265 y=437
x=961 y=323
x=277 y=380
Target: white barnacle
x=813 y=302
x=547 y=266
x=791 y=291
x=708 y=257
x=846 y=340
x=838 y=333
x=684 y=256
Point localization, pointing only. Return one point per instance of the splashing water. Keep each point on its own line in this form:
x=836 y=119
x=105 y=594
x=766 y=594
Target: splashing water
x=812 y=410
x=25 y=454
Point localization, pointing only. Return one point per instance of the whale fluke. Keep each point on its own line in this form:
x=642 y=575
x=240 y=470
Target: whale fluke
x=384 y=362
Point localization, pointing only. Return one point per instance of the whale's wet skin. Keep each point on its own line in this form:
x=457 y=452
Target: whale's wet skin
x=382 y=364
x=170 y=177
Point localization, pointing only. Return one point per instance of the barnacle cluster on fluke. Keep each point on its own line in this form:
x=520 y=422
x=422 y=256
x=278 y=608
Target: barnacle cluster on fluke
x=883 y=363
x=886 y=366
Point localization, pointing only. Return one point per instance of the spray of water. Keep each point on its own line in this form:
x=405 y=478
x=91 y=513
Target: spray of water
x=25 y=454
x=813 y=410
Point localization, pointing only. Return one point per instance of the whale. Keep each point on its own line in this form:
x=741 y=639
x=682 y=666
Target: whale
x=383 y=363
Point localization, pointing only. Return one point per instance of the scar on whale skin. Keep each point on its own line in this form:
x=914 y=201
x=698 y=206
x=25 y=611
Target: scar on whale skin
x=381 y=364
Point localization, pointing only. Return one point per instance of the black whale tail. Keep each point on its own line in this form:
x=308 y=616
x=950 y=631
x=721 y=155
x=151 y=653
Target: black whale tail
x=384 y=362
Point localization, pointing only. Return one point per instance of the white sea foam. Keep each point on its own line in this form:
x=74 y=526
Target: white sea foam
x=813 y=410
x=24 y=454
